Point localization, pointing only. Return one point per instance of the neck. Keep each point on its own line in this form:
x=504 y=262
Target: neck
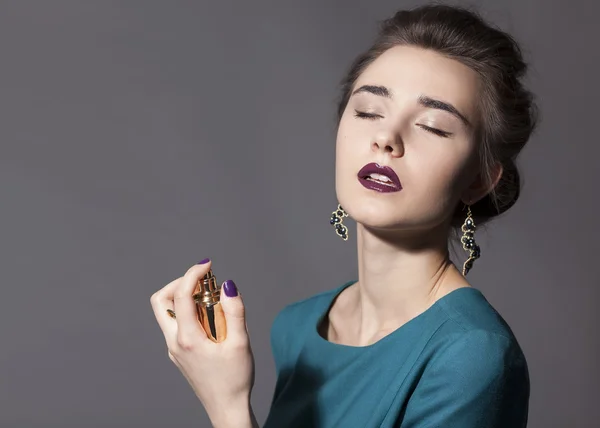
x=400 y=278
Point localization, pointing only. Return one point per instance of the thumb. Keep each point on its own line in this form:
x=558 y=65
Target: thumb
x=233 y=307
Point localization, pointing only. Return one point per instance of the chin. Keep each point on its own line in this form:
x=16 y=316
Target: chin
x=375 y=215
x=370 y=207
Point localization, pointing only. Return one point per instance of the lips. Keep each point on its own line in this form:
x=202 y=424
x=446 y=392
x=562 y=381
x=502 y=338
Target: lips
x=380 y=178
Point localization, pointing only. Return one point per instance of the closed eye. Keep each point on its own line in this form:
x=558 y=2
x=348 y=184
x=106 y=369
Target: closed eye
x=436 y=131
x=364 y=115
x=372 y=116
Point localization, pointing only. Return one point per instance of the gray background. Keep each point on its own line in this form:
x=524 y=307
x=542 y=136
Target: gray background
x=138 y=137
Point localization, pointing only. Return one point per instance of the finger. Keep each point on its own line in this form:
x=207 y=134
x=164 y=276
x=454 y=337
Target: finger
x=161 y=301
x=188 y=325
x=234 y=309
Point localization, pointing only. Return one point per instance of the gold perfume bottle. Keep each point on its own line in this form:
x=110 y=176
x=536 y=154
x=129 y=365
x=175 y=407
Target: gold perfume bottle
x=210 y=311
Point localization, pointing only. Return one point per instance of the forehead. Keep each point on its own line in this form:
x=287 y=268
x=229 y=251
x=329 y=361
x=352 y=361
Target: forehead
x=411 y=71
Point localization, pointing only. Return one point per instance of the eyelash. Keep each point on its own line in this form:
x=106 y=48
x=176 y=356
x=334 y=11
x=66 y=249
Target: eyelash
x=371 y=116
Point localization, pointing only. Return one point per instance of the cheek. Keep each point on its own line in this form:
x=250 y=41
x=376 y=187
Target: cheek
x=349 y=148
x=343 y=159
x=438 y=173
x=349 y=158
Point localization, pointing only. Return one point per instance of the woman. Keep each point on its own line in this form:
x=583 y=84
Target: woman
x=431 y=120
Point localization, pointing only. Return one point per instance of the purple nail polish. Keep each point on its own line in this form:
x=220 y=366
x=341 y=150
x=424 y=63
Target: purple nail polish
x=203 y=262
x=230 y=288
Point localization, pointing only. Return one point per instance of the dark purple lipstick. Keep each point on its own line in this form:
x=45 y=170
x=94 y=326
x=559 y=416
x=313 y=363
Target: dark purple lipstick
x=380 y=178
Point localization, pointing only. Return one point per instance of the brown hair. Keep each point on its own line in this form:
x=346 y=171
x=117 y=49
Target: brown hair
x=508 y=111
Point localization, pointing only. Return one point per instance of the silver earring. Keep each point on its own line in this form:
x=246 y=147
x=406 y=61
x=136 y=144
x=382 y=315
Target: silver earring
x=337 y=221
x=468 y=241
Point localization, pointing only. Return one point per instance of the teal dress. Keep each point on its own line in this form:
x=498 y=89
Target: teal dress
x=457 y=364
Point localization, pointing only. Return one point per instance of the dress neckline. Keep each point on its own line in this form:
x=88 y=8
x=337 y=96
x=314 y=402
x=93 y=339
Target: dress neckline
x=412 y=323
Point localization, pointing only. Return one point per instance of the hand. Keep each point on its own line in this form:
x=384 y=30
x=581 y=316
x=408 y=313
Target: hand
x=221 y=374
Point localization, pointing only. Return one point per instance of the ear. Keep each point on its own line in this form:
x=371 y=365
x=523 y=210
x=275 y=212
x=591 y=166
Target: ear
x=478 y=190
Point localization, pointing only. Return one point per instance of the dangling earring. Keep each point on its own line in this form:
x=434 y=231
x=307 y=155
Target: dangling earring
x=337 y=219
x=468 y=242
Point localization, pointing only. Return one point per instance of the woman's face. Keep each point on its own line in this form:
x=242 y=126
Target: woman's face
x=391 y=119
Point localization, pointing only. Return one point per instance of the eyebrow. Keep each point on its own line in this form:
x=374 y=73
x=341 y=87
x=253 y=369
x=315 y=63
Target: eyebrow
x=423 y=100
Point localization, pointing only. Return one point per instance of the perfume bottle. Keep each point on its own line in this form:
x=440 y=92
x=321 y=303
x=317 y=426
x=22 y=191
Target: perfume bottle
x=210 y=311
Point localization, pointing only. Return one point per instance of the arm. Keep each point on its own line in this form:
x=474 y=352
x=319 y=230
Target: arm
x=237 y=415
x=479 y=380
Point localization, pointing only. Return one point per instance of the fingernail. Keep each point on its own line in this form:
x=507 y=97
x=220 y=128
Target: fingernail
x=203 y=262
x=230 y=288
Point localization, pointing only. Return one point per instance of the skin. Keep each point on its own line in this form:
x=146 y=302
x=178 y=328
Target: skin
x=403 y=257
x=221 y=374
x=403 y=264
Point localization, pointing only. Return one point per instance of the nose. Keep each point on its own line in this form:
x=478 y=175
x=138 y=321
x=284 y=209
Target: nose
x=388 y=143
